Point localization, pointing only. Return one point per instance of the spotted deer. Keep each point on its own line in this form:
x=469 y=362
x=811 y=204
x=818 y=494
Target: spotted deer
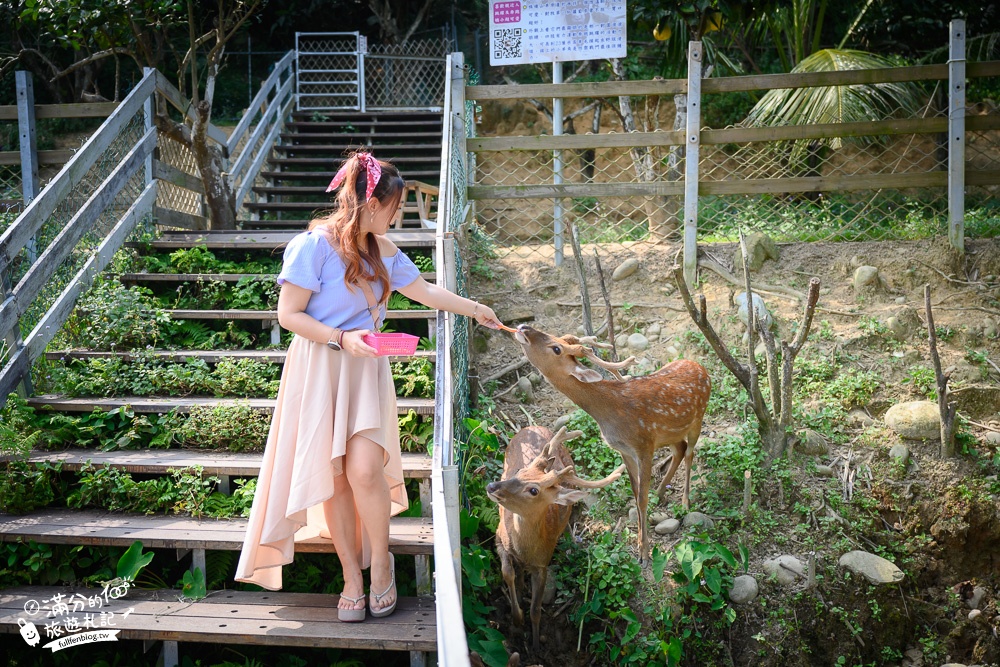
x=535 y=501
x=637 y=415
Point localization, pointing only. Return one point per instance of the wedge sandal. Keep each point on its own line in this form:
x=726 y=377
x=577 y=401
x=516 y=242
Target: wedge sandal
x=352 y=615
x=377 y=597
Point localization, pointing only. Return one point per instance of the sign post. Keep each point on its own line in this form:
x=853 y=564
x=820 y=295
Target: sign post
x=540 y=31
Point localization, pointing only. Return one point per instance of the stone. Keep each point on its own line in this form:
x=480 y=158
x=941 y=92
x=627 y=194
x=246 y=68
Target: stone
x=658 y=517
x=977 y=597
x=625 y=269
x=811 y=443
x=517 y=317
x=581 y=330
x=900 y=299
x=633 y=516
x=524 y=390
x=915 y=420
x=859 y=417
x=744 y=589
x=786 y=569
x=672 y=352
x=974 y=614
x=559 y=423
x=874 y=568
x=760 y=248
x=654 y=329
x=535 y=378
x=993 y=438
x=824 y=471
x=550 y=308
x=865 y=278
x=698 y=519
x=667 y=526
x=760 y=311
x=621 y=341
x=900 y=453
x=638 y=342
x=549 y=592
x=912 y=357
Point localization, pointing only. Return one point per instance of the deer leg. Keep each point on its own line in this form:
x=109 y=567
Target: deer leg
x=642 y=501
x=675 y=462
x=538 y=577
x=509 y=577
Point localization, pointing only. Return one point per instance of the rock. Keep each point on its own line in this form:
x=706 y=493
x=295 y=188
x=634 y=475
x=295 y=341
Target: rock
x=900 y=453
x=990 y=328
x=698 y=519
x=667 y=526
x=911 y=357
x=633 y=516
x=625 y=269
x=859 y=417
x=638 y=342
x=549 y=592
x=824 y=471
x=550 y=308
x=621 y=341
x=915 y=420
x=865 y=278
x=904 y=324
x=900 y=299
x=643 y=366
x=977 y=597
x=811 y=443
x=581 y=330
x=914 y=657
x=744 y=589
x=654 y=329
x=953 y=664
x=993 y=439
x=517 y=317
x=559 y=423
x=672 y=352
x=658 y=517
x=524 y=390
x=760 y=248
x=874 y=568
x=785 y=569
x=760 y=311
x=974 y=614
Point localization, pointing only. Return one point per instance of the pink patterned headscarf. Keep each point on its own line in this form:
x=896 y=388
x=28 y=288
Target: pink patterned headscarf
x=372 y=167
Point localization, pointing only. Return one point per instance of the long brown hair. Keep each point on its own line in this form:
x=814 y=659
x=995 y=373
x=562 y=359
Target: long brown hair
x=344 y=223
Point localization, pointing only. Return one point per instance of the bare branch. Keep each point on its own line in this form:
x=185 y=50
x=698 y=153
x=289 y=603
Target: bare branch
x=946 y=409
x=100 y=55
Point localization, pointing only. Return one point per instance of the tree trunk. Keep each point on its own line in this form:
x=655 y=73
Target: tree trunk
x=219 y=196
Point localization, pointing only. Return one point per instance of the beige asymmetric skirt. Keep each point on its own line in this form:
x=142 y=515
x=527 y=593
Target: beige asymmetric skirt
x=325 y=398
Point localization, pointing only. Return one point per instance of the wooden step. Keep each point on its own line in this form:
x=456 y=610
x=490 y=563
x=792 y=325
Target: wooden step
x=326 y=161
x=254 y=240
x=289 y=222
x=263 y=618
x=318 y=191
x=208 y=356
x=383 y=133
x=340 y=148
x=337 y=124
x=158 y=404
x=421 y=174
x=160 y=461
x=273 y=314
x=407 y=535
x=132 y=278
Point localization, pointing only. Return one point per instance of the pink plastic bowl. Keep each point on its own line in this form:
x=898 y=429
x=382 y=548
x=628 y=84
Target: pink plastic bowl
x=392 y=343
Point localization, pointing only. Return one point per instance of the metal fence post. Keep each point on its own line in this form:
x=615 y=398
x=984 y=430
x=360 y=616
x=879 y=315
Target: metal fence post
x=148 y=120
x=557 y=165
x=692 y=140
x=956 y=134
x=29 y=147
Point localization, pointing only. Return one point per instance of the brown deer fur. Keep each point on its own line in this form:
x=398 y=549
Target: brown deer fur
x=636 y=416
x=535 y=507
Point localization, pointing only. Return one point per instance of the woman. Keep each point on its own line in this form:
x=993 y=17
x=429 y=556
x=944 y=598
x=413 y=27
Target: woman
x=332 y=463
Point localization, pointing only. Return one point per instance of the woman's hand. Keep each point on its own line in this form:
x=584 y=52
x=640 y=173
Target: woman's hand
x=484 y=315
x=357 y=347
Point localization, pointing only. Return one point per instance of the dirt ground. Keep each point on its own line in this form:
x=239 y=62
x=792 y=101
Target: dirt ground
x=523 y=285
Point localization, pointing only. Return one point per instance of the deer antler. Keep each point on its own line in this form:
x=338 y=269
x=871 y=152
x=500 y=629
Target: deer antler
x=613 y=366
x=568 y=476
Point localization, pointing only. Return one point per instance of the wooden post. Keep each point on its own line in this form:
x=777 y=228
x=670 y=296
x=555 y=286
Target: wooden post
x=691 y=156
x=956 y=135
x=557 y=165
x=29 y=147
x=148 y=121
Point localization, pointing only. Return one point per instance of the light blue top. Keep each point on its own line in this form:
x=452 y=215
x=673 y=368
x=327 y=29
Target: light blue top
x=311 y=262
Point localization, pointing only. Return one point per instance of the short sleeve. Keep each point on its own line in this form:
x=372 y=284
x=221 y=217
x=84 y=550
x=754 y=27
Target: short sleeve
x=303 y=262
x=404 y=271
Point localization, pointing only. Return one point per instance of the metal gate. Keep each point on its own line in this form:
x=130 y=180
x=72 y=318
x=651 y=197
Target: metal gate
x=336 y=70
x=330 y=70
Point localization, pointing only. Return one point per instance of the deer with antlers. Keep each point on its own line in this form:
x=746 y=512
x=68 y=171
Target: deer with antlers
x=637 y=415
x=535 y=501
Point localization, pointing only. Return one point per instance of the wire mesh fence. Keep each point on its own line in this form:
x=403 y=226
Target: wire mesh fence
x=883 y=178
x=10 y=174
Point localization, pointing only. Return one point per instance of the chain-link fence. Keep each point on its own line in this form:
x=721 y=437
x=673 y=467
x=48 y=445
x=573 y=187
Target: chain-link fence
x=10 y=174
x=405 y=76
x=882 y=178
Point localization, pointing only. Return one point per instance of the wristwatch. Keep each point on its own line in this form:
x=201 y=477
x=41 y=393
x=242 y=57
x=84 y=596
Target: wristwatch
x=336 y=345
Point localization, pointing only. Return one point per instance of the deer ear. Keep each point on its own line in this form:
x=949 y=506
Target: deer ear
x=584 y=374
x=569 y=496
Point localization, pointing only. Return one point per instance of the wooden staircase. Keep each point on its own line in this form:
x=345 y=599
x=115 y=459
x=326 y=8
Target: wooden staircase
x=236 y=616
x=309 y=152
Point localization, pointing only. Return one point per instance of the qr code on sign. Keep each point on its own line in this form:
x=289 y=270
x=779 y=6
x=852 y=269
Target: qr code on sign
x=507 y=43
